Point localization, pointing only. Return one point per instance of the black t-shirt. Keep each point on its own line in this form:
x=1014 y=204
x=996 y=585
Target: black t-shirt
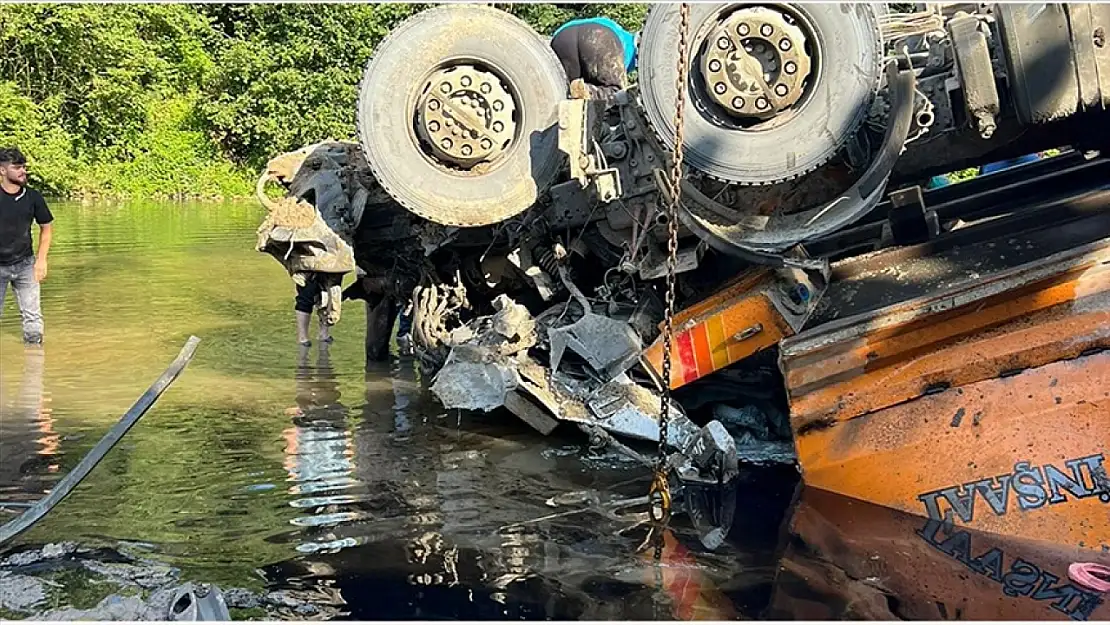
x=16 y=214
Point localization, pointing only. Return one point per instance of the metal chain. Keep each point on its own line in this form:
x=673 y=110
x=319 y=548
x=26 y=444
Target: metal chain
x=660 y=489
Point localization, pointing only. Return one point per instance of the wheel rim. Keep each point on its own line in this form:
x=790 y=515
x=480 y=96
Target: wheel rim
x=465 y=117
x=756 y=63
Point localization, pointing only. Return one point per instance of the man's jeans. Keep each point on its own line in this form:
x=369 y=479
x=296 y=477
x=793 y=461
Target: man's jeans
x=21 y=275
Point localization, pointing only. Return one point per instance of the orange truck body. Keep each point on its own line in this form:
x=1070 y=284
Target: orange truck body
x=979 y=400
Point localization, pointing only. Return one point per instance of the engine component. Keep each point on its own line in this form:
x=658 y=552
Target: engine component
x=825 y=54
x=458 y=126
x=973 y=62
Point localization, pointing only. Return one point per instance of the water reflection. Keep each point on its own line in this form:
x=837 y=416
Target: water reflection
x=28 y=441
x=848 y=559
x=405 y=382
x=319 y=448
x=434 y=519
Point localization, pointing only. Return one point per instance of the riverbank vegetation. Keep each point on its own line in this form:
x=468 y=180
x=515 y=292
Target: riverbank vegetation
x=176 y=100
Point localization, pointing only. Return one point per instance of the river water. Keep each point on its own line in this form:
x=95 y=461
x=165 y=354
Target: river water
x=268 y=465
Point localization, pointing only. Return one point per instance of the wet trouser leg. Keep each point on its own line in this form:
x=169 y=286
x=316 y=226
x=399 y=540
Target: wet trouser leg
x=308 y=296
x=21 y=275
x=594 y=54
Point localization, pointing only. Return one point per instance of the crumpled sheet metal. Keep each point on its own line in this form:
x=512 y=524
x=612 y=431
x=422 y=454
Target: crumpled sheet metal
x=608 y=345
x=295 y=234
x=489 y=367
x=622 y=407
x=313 y=237
x=491 y=362
x=474 y=378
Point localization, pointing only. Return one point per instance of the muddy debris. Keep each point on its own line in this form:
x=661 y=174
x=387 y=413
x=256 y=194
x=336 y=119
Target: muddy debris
x=111 y=608
x=19 y=593
x=135 y=589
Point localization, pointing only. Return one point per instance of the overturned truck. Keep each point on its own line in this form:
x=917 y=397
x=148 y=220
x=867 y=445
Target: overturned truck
x=822 y=297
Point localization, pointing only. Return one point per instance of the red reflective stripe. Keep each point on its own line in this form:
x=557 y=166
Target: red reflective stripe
x=686 y=357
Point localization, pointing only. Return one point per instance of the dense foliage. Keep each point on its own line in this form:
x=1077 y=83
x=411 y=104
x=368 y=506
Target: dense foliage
x=176 y=99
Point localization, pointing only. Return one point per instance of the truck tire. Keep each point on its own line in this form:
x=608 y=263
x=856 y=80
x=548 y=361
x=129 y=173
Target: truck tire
x=848 y=52
x=393 y=86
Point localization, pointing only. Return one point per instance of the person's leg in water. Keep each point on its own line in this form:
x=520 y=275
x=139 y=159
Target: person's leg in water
x=324 y=330
x=308 y=298
x=21 y=276
x=593 y=54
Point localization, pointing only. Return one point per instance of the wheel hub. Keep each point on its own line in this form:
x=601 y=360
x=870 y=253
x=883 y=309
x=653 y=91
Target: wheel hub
x=755 y=64
x=466 y=116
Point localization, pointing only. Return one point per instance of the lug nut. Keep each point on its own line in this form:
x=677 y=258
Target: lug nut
x=433 y=105
x=486 y=144
x=498 y=105
x=761 y=103
x=743 y=30
x=498 y=126
x=738 y=102
x=433 y=126
x=446 y=143
x=485 y=88
x=720 y=88
x=784 y=44
x=445 y=87
x=790 y=67
x=714 y=65
x=781 y=90
x=467 y=150
x=465 y=80
x=766 y=30
x=723 y=43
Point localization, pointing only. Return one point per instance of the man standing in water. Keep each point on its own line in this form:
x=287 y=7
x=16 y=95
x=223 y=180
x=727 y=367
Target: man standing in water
x=19 y=206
